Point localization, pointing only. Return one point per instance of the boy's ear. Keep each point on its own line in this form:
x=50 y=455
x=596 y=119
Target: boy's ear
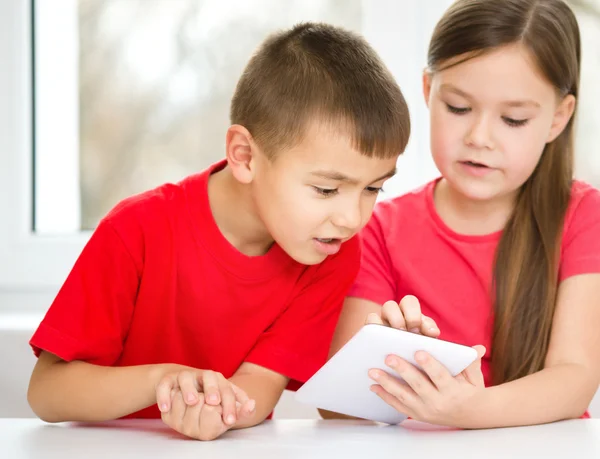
x=426 y=86
x=239 y=151
x=562 y=115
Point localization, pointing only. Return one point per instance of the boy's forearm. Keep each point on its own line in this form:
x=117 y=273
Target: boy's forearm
x=266 y=397
x=80 y=391
x=553 y=394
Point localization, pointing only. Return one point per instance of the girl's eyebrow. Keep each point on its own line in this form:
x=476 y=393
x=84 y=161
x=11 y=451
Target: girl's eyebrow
x=522 y=103
x=510 y=103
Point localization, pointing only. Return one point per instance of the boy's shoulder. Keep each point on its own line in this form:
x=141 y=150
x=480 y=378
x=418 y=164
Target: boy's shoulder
x=159 y=204
x=149 y=202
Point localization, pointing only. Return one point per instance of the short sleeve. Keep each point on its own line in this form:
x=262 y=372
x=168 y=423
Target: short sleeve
x=90 y=316
x=581 y=242
x=375 y=281
x=297 y=343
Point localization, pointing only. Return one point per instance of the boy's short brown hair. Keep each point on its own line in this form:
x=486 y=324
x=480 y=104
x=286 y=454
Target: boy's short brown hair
x=319 y=72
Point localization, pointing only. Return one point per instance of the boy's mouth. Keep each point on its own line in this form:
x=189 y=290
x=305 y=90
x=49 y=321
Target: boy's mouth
x=328 y=246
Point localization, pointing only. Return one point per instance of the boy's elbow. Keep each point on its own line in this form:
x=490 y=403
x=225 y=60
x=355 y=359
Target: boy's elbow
x=36 y=399
x=38 y=402
x=39 y=392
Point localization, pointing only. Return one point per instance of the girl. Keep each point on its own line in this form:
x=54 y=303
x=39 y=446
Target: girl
x=504 y=249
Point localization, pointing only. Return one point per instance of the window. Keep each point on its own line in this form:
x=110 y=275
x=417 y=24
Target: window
x=133 y=93
x=106 y=98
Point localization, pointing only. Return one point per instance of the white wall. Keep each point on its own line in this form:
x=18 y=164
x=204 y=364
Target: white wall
x=16 y=362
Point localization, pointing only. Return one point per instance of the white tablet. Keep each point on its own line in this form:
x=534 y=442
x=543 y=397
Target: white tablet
x=342 y=384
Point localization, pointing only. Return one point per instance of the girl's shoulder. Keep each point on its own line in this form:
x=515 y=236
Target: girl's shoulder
x=583 y=212
x=414 y=202
x=580 y=247
x=585 y=199
x=580 y=188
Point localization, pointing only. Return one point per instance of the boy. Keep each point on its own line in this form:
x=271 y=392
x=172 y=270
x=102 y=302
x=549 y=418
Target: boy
x=199 y=302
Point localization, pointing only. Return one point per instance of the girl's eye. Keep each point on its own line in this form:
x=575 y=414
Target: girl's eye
x=325 y=191
x=458 y=110
x=514 y=123
x=509 y=121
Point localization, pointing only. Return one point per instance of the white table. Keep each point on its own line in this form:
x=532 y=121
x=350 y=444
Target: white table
x=33 y=439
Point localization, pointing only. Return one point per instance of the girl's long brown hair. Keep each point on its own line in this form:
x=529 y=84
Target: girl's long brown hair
x=527 y=258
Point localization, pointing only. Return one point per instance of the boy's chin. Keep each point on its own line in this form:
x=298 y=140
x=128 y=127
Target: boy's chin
x=306 y=256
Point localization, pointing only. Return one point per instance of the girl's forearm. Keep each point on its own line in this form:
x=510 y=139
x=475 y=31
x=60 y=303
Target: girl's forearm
x=553 y=394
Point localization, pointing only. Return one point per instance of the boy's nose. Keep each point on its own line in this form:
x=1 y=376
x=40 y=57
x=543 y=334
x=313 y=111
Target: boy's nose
x=348 y=217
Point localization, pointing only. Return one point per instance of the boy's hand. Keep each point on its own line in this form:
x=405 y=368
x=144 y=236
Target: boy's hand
x=199 y=421
x=210 y=387
x=405 y=316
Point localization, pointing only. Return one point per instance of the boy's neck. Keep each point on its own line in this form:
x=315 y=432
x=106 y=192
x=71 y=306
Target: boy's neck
x=235 y=214
x=470 y=217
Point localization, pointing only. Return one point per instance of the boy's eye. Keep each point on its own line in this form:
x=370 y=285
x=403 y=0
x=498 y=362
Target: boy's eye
x=373 y=190
x=458 y=110
x=325 y=191
x=513 y=122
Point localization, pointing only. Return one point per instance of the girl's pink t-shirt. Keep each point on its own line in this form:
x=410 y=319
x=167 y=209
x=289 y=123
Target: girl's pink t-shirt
x=408 y=250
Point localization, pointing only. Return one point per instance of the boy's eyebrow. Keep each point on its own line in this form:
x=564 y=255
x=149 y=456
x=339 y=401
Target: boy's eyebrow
x=339 y=177
x=510 y=103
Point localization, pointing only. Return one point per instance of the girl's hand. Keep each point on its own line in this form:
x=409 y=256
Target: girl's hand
x=432 y=395
x=405 y=316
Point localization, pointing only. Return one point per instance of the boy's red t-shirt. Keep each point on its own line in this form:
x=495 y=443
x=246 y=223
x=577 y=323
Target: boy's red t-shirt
x=408 y=250
x=158 y=283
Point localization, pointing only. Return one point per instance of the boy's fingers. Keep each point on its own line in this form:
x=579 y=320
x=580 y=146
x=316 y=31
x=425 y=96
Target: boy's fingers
x=210 y=387
x=374 y=318
x=163 y=392
x=175 y=416
x=210 y=422
x=228 y=403
x=191 y=419
x=391 y=313
x=188 y=385
x=429 y=327
x=247 y=409
x=240 y=394
x=411 y=310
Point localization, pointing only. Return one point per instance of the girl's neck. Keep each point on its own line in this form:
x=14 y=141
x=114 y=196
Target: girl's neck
x=468 y=216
